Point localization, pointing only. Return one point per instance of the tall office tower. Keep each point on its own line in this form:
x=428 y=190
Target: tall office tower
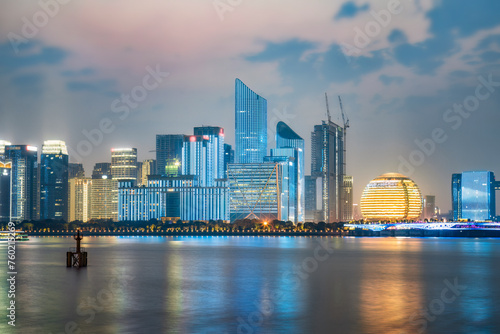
x=327 y=162
x=3 y=143
x=291 y=146
x=215 y=151
x=124 y=164
x=80 y=201
x=250 y=125
x=228 y=157
x=24 y=182
x=313 y=199
x=169 y=154
x=194 y=158
x=54 y=180
x=104 y=198
x=473 y=195
x=148 y=168
x=101 y=169
x=5 y=169
x=429 y=207
x=347 y=214
x=75 y=170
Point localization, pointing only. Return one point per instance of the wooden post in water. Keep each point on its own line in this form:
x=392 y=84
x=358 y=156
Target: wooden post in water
x=78 y=257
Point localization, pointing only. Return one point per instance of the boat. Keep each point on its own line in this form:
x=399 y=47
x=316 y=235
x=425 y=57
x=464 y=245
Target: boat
x=19 y=235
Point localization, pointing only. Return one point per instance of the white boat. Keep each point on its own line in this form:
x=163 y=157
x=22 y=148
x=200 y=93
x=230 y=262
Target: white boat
x=19 y=235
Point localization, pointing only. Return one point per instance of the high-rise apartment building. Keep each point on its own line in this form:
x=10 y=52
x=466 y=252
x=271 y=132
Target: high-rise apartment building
x=169 y=154
x=215 y=151
x=347 y=214
x=194 y=158
x=24 y=194
x=104 y=198
x=54 y=180
x=80 y=200
x=124 y=164
x=5 y=169
x=250 y=125
x=327 y=162
x=148 y=168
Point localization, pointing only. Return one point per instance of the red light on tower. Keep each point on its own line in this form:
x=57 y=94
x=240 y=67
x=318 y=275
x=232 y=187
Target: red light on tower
x=206 y=137
x=192 y=138
x=221 y=132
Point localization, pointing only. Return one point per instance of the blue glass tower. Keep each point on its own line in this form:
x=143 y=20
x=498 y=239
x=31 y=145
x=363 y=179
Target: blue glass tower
x=473 y=195
x=250 y=125
x=54 y=180
x=456 y=195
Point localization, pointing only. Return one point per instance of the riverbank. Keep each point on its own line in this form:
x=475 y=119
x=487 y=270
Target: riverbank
x=183 y=233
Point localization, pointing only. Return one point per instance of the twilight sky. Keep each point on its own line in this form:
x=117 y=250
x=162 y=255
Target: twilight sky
x=124 y=71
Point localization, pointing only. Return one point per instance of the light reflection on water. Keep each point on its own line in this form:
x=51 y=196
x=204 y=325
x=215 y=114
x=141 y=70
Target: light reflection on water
x=256 y=285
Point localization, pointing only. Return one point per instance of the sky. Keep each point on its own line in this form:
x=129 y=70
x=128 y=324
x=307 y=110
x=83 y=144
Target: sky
x=419 y=80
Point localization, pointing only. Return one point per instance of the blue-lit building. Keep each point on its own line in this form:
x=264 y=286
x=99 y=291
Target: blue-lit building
x=5 y=170
x=194 y=158
x=54 y=180
x=255 y=190
x=173 y=198
x=473 y=195
x=169 y=154
x=250 y=125
x=24 y=181
x=228 y=157
x=215 y=152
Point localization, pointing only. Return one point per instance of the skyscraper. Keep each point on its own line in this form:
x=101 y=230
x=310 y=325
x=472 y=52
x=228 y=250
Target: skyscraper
x=104 y=198
x=228 y=157
x=169 y=154
x=80 y=200
x=54 y=180
x=24 y=182
x=327 y=162
x=194 y=158
x=347 y=214
x=148 y=168
x=250 y=125
x=215 y=151
x=75 y=170
x=429 y=206
x=101 y=169
x=5 y=169
x=3 y=143
x=124 y=164
x=475 y=200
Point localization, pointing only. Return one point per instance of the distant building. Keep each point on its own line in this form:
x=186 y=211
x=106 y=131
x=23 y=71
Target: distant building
x=250 y=125
x=174 y=198
x=473 y=195
x=429 y=207
x=75 y=170
x=313 y=198
x=80 y=199
x=124 y=164
x=3 y=143
x=327 y=162
x=54 y=180
x=104 y=198
x=24 y=194
x=194 y=158
x=347 y=213
x=214 y=155
x=255 y=190
x=169 y=154
x=148 y=168
x=228 y=157
x=5 y=170
x=101 y=169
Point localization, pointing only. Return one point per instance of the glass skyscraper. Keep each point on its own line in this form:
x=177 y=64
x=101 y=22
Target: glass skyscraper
x=54 y=180
x=473 y=195
x=169 y=154
x=215 y=151
x=228 y=157
x=4 y=191
x=124 y=164
x=250 y=125
x=327 y=162
x=24 y=181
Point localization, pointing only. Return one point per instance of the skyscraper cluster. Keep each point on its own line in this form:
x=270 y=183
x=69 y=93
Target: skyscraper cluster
x=194 y=176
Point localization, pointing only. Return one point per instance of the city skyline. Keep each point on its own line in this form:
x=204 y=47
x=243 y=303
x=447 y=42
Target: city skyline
x=397 y=89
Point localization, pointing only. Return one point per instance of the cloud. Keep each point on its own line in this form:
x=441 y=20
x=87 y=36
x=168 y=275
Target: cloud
x=32 y=54
x=387 y=80
x=350 y=9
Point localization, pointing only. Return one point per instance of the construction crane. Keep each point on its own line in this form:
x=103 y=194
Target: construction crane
x=346 y=123
x=328 y=109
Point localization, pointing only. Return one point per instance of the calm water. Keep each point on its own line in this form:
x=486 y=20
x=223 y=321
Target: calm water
x=257 y=285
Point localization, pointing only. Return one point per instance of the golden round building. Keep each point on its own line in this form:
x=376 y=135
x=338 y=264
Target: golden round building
x=393 y=197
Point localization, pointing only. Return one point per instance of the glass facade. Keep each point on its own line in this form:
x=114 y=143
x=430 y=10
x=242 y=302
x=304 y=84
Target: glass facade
x=392 y=197
x=478 y=195
x=228 y=157
x=169 y=154
x=5 y=170
x=255 y=190
x=215 y=152
x=250 y=125
x=327 y=162
x=54 y=180
x=24 y=181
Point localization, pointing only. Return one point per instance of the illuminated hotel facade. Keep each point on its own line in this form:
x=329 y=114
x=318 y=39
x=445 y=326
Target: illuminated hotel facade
x=391 y=197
